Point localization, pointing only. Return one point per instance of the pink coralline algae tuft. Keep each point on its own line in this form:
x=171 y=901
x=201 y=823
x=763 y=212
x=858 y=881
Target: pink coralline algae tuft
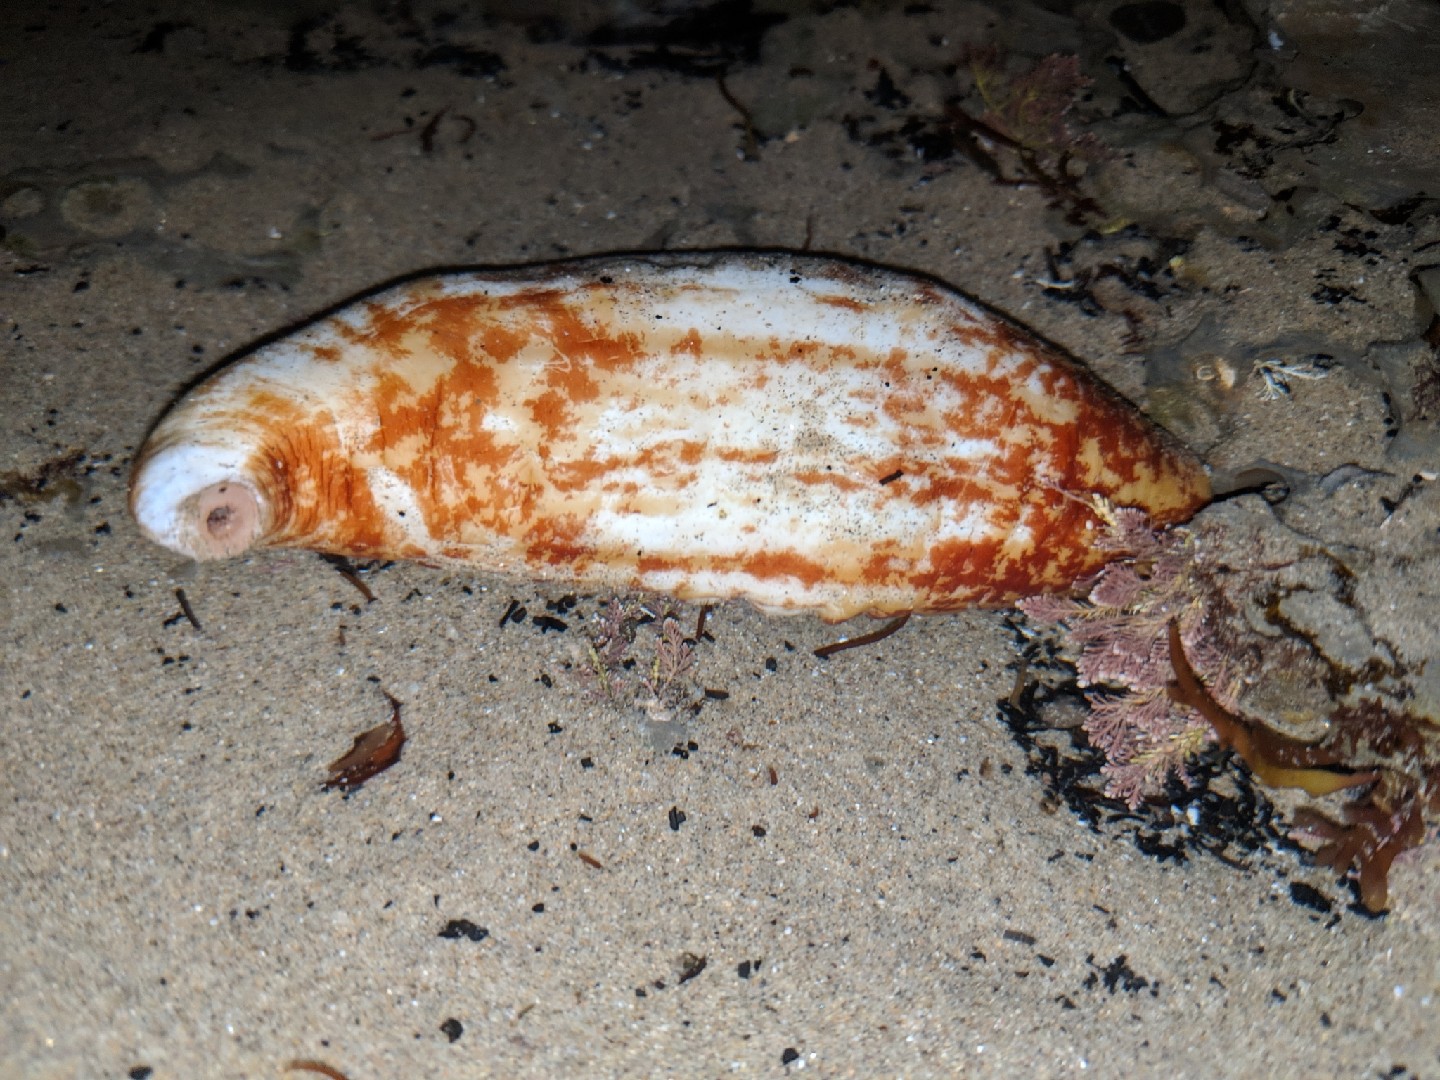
x=1118 y=635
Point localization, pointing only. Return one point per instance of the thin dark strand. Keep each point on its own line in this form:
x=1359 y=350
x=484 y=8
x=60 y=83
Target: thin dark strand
x=752 y=144
x=346 y=569
x=864 y=639
x=187 y=609
x=1022 y=676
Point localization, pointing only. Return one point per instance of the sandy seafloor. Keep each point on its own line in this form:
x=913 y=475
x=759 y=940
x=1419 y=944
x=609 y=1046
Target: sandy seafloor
x=875 y=882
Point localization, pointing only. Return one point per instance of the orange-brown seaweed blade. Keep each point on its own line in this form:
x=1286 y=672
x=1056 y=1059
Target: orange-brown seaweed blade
x=374 y=751
x=1274 y=759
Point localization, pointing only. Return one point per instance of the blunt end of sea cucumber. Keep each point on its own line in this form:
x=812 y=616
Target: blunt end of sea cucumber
x=199 y=501
x=223 y=520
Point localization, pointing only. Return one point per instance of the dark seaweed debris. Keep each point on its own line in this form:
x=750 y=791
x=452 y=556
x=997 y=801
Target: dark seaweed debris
x=1220 y=812
x=456 y=929
x=1016 y=124
x=56 y=478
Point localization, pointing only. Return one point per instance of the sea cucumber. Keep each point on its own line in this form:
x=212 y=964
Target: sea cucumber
x=807 y=433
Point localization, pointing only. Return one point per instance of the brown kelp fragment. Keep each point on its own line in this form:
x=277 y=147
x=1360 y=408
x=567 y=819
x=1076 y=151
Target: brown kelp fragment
x=374 y=752
x=1274 y=759
x=1369 y=839
x=1393 y=815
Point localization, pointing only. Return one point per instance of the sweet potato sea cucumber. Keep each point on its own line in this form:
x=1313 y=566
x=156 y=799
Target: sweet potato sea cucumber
x=806 y=433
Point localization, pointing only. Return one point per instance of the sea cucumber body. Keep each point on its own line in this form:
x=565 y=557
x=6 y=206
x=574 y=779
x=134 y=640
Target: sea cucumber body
x=806 y=433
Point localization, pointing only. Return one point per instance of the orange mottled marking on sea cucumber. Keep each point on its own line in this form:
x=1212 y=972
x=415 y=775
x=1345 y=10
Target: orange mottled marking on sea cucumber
x=664 y=459
x=955 y=486
x=779 y=563
x=998 y=337
x=554 y=412
x=328 y=354
x=477 y=383
x=773 y=565
x=318 y=498
x=387 y=326
x=399 y=410
x=451 y=324
x=960 y=566
x=573 y=379
x=646 y=565
x=883 y=566
x=573 y=337
x=861 y=420
x=833 y=479
x=581 y=474
x=903 y=403
x=1061 y=447
x=435 y=441
x=690 y=344
x=979 y=386
x=557 y=540
x=501 y=342
x=795 y=350
x=847 y=302
x=750 y=457
x=877 y=469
